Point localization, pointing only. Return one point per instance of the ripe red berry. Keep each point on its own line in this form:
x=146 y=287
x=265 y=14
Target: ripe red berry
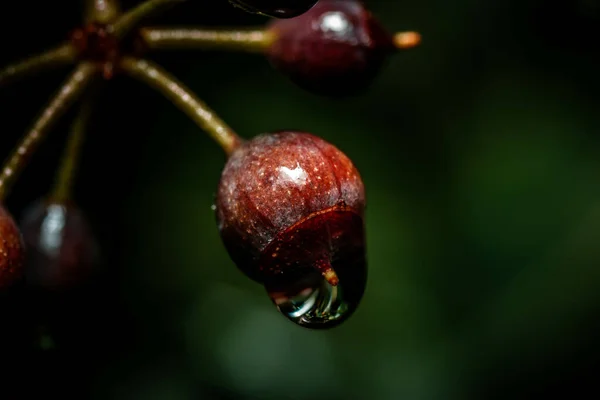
x=12 y=251
x=290 y=209
x=62 y=250
x=276 y=8
x=335 y=49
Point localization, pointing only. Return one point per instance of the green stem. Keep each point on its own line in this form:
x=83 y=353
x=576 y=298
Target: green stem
x=66 y=95
x=61 y=55
x=70 y=159
x=159 y=79
x=102 y=11
x=133 y=17
x=255 y=41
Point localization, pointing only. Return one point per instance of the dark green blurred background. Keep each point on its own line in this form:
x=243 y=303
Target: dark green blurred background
x=479 y=152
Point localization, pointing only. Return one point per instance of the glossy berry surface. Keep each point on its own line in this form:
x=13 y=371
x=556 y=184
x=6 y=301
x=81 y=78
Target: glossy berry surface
x=62 y=250
x=290 y=210
x=12 y=252
x=276 y=8
x=335 y=49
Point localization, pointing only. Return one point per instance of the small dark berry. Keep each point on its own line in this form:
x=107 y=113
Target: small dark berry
x=335 y=49
x=12 y=250
x=290 y=210
x=276 y=8
x=62 y=251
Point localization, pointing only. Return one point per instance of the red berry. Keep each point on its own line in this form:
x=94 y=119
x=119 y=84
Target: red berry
x=335 y=49
x=276 y=8
x=290 y=210
x=62 y=249
x=12 y=250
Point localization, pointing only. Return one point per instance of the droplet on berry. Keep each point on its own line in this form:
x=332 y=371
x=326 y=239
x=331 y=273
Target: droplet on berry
x=62 y=251
x=275 y=8
x=12 y=250
x=335 y=49
x=290 y=211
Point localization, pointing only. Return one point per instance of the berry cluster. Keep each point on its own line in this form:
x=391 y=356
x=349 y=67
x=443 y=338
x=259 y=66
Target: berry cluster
x=289 y=206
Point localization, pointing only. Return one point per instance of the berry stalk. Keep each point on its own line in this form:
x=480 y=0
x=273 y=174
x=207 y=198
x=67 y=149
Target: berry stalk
x=66 y=95
x=67 y=170
x=102 y=11
x=132 y=18
x=253 y=41
x=156 y=77
x=58 y=56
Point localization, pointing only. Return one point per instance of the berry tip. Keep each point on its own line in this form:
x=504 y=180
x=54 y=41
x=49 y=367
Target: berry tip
x=407 y=40
x=324 y=267
x=331 y=277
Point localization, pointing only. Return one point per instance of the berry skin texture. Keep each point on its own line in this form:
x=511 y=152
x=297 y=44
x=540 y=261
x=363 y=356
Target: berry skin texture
x=336 y=49
x=62 y=250
x=290 y=205
x=275 y=8
x=12 y=250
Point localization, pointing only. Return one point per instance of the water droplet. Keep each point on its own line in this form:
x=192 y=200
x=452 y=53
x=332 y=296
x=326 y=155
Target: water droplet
x=316 y=272
x=313 y=302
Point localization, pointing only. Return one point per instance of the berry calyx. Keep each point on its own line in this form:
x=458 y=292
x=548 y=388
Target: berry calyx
x=335 y=49
x=12 y=250
x=275 y=8
x=63 y=252
x=290 y=209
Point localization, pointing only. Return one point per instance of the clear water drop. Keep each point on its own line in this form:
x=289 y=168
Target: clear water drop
x=313 y=302
x=314 y=306
x=316 y=272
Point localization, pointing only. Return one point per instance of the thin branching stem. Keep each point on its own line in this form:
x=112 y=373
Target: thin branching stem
x=102 y=11
x=66 y=95
x=67 y=170
x=131 y=19
x=159 y=79
x=255 y=40
x=61 y=55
